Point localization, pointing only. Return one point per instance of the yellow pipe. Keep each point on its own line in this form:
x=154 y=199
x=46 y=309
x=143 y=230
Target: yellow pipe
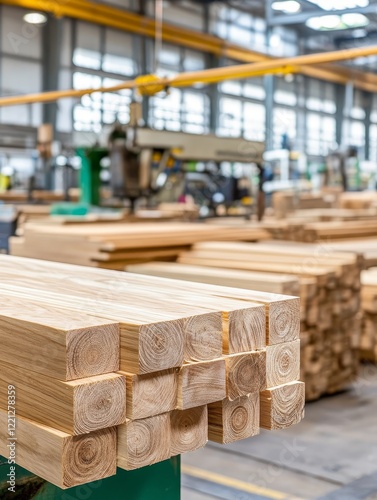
x=128 y=21
x=240 y=71
x=287 y=65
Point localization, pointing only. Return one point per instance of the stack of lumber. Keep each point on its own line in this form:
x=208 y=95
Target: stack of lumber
x=311 y=232
x=330 y=301
x=365 y=247
x=368 y=343
x=121 y=369
x=285 y=202
x=112 y=246
x=264 y=282
x=37 y=195
x=332 y=214
x=364 y=199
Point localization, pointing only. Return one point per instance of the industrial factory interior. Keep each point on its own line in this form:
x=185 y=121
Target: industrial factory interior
x=188 y=249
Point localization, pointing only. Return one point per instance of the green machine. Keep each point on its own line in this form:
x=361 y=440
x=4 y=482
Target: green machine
x=158 y=482
x=90 y=184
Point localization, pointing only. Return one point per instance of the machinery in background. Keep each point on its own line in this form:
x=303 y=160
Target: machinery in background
x=166 y=166
x=284 y=169
x=140 y=166
x=343 y=168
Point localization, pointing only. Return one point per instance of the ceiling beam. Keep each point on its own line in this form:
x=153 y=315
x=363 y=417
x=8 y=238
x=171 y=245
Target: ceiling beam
x=289 y=19
x=145 y=26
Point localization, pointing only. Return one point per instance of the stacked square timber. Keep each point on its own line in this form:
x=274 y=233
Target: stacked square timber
x=321 y=232
x=361 y=200
x=330 y=295
x=368 y=343
x=59 y=391
x=114 y=245
x=109 y=368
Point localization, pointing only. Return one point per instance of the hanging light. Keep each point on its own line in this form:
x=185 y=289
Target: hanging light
x=35 y=18
x=334 y=22
x=287 y=6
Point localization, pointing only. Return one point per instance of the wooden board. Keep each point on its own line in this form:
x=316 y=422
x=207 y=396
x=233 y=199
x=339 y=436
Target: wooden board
x=245 y=373
x=76 y=407
x=189 y=429
x=49 y=341
x=148 y=323
x=230 y=421
x=151 y=394
x=201 y=383
x=263 y=282
x=57 y=457
x=283 y=363
x=144 y=442
x=282 y=406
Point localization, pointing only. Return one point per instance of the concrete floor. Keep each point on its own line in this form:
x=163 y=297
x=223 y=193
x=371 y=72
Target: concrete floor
x=332 y=454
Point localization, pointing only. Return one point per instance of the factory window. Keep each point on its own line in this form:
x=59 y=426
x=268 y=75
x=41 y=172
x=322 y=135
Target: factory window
x=230 y=119
x=87 y=53
x=185 y=13
x=242 y=118
x=238 y=26
x=284 y=123
x=284 y=97
x=99 y=108
x=180 y=110
x=21 y=46
x=358 y=109
x=18 y=38
x=13 y=82
x=321 y=134
x=195 y=115
x=118 y=56
x=320 y=96
x=254 y=119
x=283 y=42
x=165 y=111
x=357 y=134
x=373 y=142
x=252 y=89
x=193 y=61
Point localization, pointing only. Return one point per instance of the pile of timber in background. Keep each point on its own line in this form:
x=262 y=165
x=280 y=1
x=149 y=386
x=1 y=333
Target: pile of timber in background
x=283 y=203
x=112 y=246
x=321 y=232
x=122 y=369
x=330 y=302
x=286 y=203
x=368 y=344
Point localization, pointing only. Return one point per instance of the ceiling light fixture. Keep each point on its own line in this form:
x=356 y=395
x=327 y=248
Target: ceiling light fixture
x=333 y=22
x=35 y=18
x=340 y=4
x=287 y=6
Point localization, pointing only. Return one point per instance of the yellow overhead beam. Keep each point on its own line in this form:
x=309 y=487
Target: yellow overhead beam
x=135 y=23
x=149 y=84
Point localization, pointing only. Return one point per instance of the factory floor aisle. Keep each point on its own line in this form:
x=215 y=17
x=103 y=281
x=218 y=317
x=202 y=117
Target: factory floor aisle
x=332 y=455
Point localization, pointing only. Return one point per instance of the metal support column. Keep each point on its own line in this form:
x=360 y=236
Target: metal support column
x=269 y=83
x=52 y=42
x=339 y=117
x=348 y=105
x=141 y=52
x=214 y=96
x=368 y=103
x=212 y=61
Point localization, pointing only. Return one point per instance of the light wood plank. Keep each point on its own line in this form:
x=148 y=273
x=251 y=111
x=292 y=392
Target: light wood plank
x=59 y=458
